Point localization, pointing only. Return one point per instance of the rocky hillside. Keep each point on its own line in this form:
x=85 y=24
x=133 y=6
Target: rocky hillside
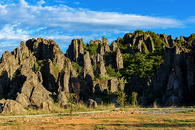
x=159 y=68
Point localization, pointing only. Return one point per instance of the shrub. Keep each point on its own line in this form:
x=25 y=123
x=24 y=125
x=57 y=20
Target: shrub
x=38 y=65
x=71 y=100
x=76 y=89
x=121 y=98
x=77 y=68
x=112 y=72
x=101 y=77
x=134 y=99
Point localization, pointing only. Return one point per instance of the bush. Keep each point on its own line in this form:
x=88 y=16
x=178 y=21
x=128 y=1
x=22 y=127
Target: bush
x=121 y=98
x=101 y=77
x=112 y=72
x=77 y=68
x=38 y=65
x=72 y=100
x=134 y=99
x=90 y=48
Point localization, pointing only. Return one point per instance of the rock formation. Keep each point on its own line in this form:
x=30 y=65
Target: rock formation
x=172 y=78
x=119 y=60
x=88 y=69
x=75 y=51
x=39 y=74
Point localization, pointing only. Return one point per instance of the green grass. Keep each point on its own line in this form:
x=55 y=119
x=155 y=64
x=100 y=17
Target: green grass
x=12 y=123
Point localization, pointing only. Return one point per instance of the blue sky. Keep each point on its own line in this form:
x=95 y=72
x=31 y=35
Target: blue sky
x=63 y=20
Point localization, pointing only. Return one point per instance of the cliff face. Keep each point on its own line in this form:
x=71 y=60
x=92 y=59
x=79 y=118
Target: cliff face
x=173 y=83
x=36 y=72
x=39 y=70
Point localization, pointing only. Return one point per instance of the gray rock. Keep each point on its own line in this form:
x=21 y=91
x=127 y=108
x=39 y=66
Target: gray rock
x=119 y=60
x=114 y=46
x=164 y=38
x=63 y=81
x=142 y=101
x=13 y=107
x=39 y=76
x=91 y=103
x=173 y=101
x=113 y=84
x=2 y=102
x=75 y=51
x=118 y=40
x=88 y=69
x=99 y=101
x=34 y=90
x=99 y=65
x=23 y=100
x=62 y=99
x=149 y=42
x=100 y=86
x=47 y=106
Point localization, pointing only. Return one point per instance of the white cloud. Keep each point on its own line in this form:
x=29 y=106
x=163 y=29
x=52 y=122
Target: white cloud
x=191 y=19
x=23 y=21
x=77 y=3
x=41 y=2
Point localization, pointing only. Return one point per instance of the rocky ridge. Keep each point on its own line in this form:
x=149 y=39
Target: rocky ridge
x=39 y=74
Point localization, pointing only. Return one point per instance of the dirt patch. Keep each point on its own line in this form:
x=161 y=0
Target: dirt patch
x=109 y=120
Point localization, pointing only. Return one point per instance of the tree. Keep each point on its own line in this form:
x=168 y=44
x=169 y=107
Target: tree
x=121 y=98
x=72 y=100
x=134 y=99
x=76 y=90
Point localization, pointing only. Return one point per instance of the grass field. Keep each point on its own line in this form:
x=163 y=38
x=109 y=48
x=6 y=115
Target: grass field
x=106 y=121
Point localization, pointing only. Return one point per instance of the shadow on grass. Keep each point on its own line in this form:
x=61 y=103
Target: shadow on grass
x=148 y=125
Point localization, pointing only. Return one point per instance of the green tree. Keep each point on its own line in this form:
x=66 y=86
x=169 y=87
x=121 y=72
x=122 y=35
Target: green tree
x=72 y=101
x=121 y=98
x=134 y=99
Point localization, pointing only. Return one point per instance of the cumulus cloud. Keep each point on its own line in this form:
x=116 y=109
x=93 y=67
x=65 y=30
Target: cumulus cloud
x=21 y=21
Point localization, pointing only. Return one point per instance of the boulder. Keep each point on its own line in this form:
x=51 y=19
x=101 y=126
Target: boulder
x=38 y=95
x=173 y=101
x=142 y=101
x=113 y=84
x=13 y=107
x=91 y=103
x=23 y=100
x=99 y=101
x=47 y=106
x=100 y=87
x=62 y=99
x=34 y=90
x=2 y=102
